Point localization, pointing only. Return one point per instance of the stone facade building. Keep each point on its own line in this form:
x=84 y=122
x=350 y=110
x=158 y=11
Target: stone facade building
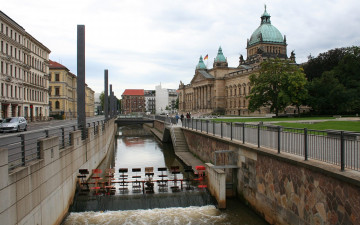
x=89 y=101
x=63 y=93
x=223 y=89
x=24 y=69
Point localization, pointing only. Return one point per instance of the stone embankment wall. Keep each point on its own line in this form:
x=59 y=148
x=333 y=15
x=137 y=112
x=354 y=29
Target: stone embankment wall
x=159 y=125
x=41 y=192
x=284 y=188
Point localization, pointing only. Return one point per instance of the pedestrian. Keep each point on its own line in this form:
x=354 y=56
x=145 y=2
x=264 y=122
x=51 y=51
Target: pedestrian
x=182 y=118
x=177 y=118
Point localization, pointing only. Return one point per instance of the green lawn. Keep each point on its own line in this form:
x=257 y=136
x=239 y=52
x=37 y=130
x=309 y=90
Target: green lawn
x=327 y=125
x=244 y=120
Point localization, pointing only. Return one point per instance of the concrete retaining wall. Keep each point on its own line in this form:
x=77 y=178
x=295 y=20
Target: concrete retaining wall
x=41 y=192
x=284 y=188
x=216 y=179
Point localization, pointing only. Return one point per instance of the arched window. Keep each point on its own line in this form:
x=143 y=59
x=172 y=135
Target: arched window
x=57 y=105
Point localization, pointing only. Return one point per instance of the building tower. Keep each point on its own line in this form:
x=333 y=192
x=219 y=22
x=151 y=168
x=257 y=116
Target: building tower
x=266 y=41
x=220 y=60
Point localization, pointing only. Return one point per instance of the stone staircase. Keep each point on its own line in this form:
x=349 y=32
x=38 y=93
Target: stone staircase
x=179 y=142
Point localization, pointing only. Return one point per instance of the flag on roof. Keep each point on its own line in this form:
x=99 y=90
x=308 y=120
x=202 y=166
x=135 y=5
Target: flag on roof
x=206 y=57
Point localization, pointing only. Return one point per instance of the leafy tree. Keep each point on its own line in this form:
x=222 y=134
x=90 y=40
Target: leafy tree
x=295 y=88
x=337 y=90
x=326 y=61
x=177 y=103
x=278 y=85
x=102 y=97
x=102 y=101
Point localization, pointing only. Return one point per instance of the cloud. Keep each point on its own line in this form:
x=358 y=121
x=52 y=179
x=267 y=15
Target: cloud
x=143 y=43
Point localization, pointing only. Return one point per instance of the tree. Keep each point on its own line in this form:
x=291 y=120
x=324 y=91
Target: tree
x=278 y=85
x=102 y=98
x=337 y=89
x=177 y=103
x=326 y=61
x=295 y=88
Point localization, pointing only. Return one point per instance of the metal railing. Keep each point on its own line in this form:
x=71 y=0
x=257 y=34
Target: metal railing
x=336 y=147
x=25 y=147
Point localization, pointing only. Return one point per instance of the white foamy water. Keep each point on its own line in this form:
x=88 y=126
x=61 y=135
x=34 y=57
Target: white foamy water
x=174 y=216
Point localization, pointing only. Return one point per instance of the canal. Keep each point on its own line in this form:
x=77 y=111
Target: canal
x=137 y=148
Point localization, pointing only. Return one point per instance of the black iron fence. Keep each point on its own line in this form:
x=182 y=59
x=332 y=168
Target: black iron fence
x=25 y=147
x=336 y=147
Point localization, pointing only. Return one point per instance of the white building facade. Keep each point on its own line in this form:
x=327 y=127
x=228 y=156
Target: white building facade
x=24 y=69
x=165 y=100
x=149 y=101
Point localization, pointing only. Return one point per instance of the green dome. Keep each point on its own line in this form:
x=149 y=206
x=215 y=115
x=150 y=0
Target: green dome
x=220 y=56
x=201 y=64
x=266 y=32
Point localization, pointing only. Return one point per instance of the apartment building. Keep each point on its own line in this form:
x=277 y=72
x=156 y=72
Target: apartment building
x=63 y=93
x=149 y=101
x=24 y=69
x=133 y=101
x=165 y=100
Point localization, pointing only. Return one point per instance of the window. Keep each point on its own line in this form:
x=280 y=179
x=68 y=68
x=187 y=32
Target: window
x=57 y=77
x=57 y=91
x=57 y=105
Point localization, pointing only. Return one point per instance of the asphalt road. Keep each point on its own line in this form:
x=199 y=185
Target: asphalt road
x=25 y=143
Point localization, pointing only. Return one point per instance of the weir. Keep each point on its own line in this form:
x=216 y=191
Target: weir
x=133 y=202
x=139 y=186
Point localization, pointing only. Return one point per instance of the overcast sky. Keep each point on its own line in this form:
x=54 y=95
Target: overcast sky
x=147 y=42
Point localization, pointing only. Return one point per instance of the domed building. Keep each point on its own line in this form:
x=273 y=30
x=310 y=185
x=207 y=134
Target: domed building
x=223 y=89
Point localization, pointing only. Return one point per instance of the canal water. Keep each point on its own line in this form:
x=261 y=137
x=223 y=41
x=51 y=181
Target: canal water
x=137 y=148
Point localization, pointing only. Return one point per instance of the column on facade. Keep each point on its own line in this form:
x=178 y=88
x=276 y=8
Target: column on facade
x=202 y=97
x=199 y=97
x=196 y=98
x=205 y=96
x=208 y=96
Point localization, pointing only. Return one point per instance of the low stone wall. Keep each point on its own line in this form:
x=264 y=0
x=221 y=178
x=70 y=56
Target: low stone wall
x=41 y=192
x=159 y=125
x=284 y=188
x=216 y=179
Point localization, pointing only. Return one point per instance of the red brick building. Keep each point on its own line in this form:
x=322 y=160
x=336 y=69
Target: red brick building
x=133 y=100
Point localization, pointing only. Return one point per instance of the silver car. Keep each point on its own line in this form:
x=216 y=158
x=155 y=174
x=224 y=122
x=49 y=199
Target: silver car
x=13 y=124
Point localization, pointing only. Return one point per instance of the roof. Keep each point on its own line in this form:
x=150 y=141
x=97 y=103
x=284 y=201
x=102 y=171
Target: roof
x=201 y=64
x=56 y=65
x=266 y=32
x=134 y=92
x=206 y=74
x=220 y=56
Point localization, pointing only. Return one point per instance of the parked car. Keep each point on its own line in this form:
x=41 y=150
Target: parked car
x=13 y=124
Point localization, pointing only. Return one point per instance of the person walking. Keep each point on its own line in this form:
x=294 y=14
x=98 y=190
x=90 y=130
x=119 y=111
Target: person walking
x=177 y=118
